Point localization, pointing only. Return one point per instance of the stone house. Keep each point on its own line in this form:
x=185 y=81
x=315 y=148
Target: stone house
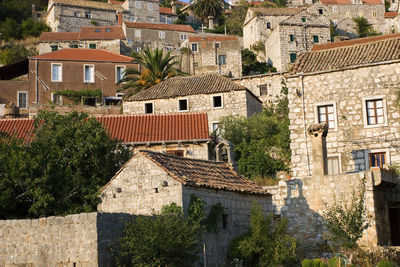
x=71 y=15
x=392 y=22
x=156 y=35
x=168 y=15
x=213 y=54
x=296 y=34
x=344 y=124
x=151 y=180
x=210 y=93
x=74 y=69
x=109 y=38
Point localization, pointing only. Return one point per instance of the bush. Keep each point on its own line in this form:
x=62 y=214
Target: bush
x=383 y=263
x=313 y=263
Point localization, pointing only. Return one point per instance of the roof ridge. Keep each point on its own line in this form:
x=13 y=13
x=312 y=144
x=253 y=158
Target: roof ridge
x=183 y=158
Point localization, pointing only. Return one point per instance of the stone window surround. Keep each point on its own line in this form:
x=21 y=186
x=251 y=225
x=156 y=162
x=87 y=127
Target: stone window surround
x=161 y=34
x=144 y=107
x=52 y=98
x=26 y=94
x=376 y=150
x=316 y=120
x=138 y=4
x=61 y=72
x=364 y=110
x=215 y=123
x=197 y=47
x=187 y=105
x=138 y=33
x=123 y=67
x=183 y=36
x=92 y=78
x=339 y=156
x=335 y=9
x=222 y=101
x=149 y=7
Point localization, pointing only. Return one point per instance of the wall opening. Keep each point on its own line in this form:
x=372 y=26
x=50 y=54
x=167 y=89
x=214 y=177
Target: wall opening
x=394 y=217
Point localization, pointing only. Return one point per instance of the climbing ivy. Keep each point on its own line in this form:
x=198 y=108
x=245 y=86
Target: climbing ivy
x=76 y=95
x=214 y=218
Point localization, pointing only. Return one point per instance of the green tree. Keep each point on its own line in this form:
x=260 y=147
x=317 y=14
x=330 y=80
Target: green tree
x=165 y=3
x=15 y=52
x=181 y=17
x=250 y=63
x=206 y=8
x=10 y=30
x=266 y=243
x=61 y=170
x=387 y=5
x=281 y=3
x=347 y=220
x=31 y=28
x=156 y=66
x=364 y=28
x=166 y=239
x=234 y=23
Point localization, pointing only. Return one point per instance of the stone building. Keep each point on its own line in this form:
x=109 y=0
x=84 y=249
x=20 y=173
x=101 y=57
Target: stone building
x=344 y=124
x=211 y=93
x=71 y=15
x=392 y=22
x=74 y=69
x=296 y=34
x=213 y=54
x=168 y=14
x=109 y=38
x=156 y=35
x=151 y=180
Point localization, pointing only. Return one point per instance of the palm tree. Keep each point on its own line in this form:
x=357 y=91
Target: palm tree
x=205 y=8
x=155 y=66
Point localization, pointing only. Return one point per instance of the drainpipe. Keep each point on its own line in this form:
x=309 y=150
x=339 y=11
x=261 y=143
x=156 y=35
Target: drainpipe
x=36 y=81
x=304 y=125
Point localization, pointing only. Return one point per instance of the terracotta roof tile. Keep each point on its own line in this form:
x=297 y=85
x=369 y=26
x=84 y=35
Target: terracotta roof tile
x=348 y=2
x=351 y=53
x=390 y=14
x=270 y=11
x=166 y=10
x=211 y=38
x=188 y=85
x=92 y=4
x=133 y=128
x=115 y=2
x=160 y=26
x=202 y=173
x=101 y=33
x=58 y=36
x=83 y=54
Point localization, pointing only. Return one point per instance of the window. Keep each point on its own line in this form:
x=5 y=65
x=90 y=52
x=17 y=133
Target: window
x=215 y=126
x=320 y=11
x=183 y=105
x=178 y=153
x=168 y=48
x=268 y=25
x=335 y=9
x=161 y=34
x=162 y=18
x=54 y=48
x=224 y=221
x=326 y=113
x=73 y=45
x=148 y=108
x=374 y=14
x=377 y=160
x=183 y=36
x=56 y=99
x=97 y=30
x=217 y=44
x=88 y=15
x=375 y=112
x=131 y=18
x=22 y=99
x=291 y=38
x=217 y=101
x=77 y=14
x=137 y=48
x=194 y=47
x=119 y=71
x=222 y=59
x=88 y=73
x=333 y=165
x=263 y=89
x=292 y=57
x=138 y=5
x=89 y=101
x=315 y=39
x=56 y=72
x=138 y=33
x=149 y=6
x=92 y=46
x=121 y=95
x=303 y=19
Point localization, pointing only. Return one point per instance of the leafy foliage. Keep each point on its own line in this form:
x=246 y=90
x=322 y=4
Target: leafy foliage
x=15 y=52
x=364 y=28
x=234 y=22
x=313 y=263
x=167 y=239
x=265 y=243
x=166 y=3
x=214 y=218
x=11 y=29
x=61 y=170
x=76 y=95
x=346 y=221
x=155 y=67
x=205 y=8
x=181 y=17
x=251 y=64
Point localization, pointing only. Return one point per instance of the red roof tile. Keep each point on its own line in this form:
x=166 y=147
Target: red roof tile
x=372 y=2
x=83 y=54
x=59 y=36
x=390 y=14
x=133 y=128
x=212 y=38
x=348 y=2
x=115 y=2
x=160 y=26
x=166 y=10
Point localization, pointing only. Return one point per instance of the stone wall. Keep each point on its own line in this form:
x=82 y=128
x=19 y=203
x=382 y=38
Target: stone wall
x=197 y=150
x=108 y=45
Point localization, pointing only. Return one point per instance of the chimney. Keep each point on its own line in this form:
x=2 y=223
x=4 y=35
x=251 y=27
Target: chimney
x=173 y=6
x=211 y=22
x=318 y=134
x=119 y=15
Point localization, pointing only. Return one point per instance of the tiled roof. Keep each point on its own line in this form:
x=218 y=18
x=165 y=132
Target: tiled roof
x=211 y=38
x=115 y=2
x=58 y=36
x=285 y=11
x=188 y=85
x=348 y=2
x=154 y=128
x=202 y=173
x=83 y=54
x=372 y=2
x=166 y=10
x=351 y=53
x=133 y=128
x=85 y=33
x=92 y=4
x=388 y=15
x=160 y=26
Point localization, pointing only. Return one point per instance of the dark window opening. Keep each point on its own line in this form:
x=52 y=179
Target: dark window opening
x=268 y=25
x=377 y=160
x=291 y=38
x=394 y=218
x=320 y=11
x=303 y=19
x=92 y=46
x=217 y=101
x=222 y=59
x=54 y=48
x=178 y=153
x=315 y=39
x=156 y=190
x=89 y=101
x=263 y=89
x=148 y=108
x=293 y=57
x=224 y=221
x=183 y=104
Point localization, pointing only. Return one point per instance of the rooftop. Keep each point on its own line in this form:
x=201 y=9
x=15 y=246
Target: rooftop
x=91 y=4
x=388 y=15
x=166 y=10
x=352 y=53
x=282 y=11
x=202 y=173
x=188 y=85
x=83 y=54
x=348 y=2
x=160 y=26
x=85 y=33
x=212 y=38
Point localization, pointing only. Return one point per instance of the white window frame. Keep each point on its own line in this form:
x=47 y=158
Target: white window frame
x=60 y=74
x=84 y=78
x=27 y=95
x=150 y=7
x=376 y=150
x=365 y=118
x=138 y=5
x=335 y=9
x=144 y=107
x=212 y=125
x=161 y=34
x=88 y=15
x=316 y=118
x=183 y=35
x=217 y=45
x=187 y=105
x=138 y=33
x=197 y=47
x=339 y=155
x=116 y=72
x=61 y=98
x=222 y=101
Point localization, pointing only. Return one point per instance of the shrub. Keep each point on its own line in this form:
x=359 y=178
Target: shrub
x=384 y=263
